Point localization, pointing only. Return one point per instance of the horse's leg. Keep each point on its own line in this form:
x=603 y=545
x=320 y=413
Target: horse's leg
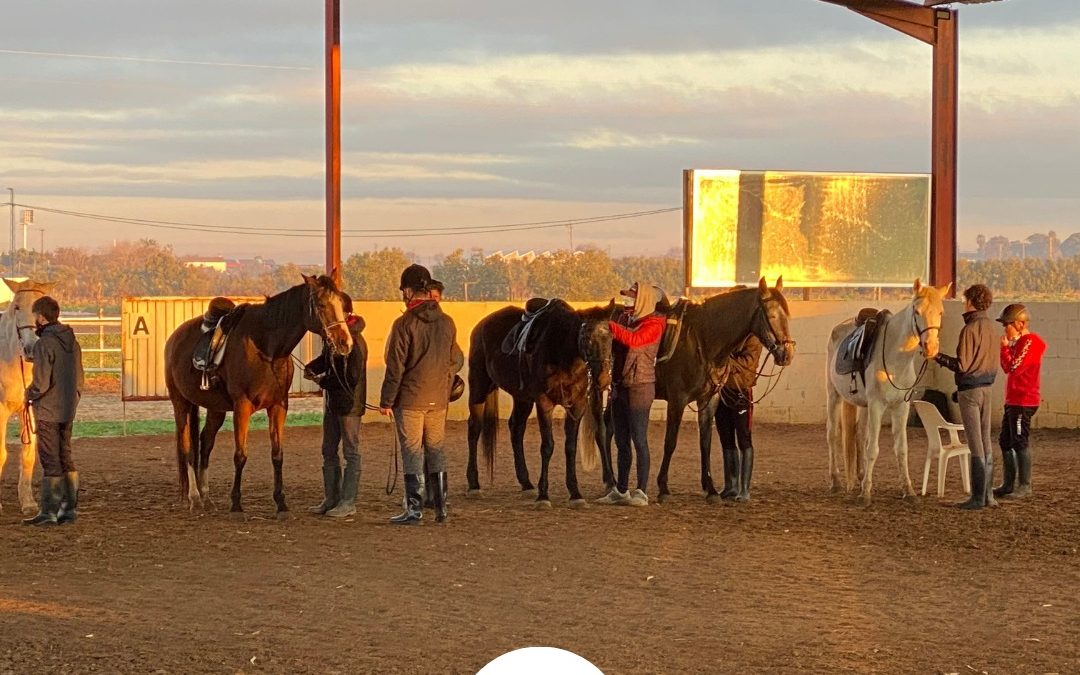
x=857 y=455
x=570 y=428
x=476 y=426
x=207 y=438
x=242 y=410
x=899 y=432
x=873 y=428
x=182 y=414
x=544 y=410
x=5 y=413
x=276 y=417
x=671 y=437
x=834 y=436
x=706 y=417
x=603 y=442
x=519 y=417
x=26 y=466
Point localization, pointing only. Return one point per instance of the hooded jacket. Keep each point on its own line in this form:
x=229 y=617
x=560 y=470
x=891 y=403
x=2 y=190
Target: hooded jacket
x=422 y=356
x=58 y=375
x=344 y=378
x=974 y=364
x=636 y=342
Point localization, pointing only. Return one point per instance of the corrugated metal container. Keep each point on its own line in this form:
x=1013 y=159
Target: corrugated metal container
x=147 y=322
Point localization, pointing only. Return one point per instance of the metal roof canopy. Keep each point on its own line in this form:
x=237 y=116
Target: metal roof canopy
x=937 y=28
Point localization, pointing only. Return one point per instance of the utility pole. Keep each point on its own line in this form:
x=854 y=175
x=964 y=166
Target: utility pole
x=571 y=229
x=11 y=251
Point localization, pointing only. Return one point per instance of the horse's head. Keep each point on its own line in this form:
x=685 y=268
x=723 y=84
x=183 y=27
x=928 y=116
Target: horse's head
x=326 y=315
x=928 y=309
x=770 y=323
x=24 y=295
x=594 y=345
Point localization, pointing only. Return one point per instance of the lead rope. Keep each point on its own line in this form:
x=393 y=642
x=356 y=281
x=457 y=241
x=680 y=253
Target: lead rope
x=26 y=429
x=909 y=392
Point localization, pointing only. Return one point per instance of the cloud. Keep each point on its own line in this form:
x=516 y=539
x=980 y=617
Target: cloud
x=602 y=139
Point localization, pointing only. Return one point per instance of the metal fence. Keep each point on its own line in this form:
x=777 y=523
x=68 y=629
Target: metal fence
x=99 y=337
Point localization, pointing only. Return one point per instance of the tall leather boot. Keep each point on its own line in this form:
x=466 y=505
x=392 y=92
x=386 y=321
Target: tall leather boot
x=977 y=500
x=350 y=484
x=331 y=476
x=746 y=471
x=1023 y=465
x=437 y=488
x=414 y=500
x=731 y=473
x=70 y=501
x=989 y=460
x=51 y=492
x=1008 y=469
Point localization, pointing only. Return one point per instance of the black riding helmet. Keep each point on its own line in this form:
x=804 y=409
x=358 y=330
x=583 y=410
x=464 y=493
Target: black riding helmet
x=1013 y=313
x=415 y=277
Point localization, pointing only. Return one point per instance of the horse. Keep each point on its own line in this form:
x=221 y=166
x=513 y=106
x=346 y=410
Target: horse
x=857 y=402
x=17 y=338
x=255 y=374
x=568 y=364
x=711 y=331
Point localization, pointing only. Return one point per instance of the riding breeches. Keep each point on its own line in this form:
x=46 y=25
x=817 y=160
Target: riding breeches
x=975 y=414
x=421 y=434
x=54 y=448
x=340 y=430
x=1016 y=427
x=630 y=407
x=734 y=420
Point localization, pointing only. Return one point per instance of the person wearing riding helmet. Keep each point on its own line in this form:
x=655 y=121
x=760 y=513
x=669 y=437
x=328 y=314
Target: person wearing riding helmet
x=421 y=353
x=636 y=340
x=1021 y=359
x=734 y=419
x=343 y=379
x=975 y=371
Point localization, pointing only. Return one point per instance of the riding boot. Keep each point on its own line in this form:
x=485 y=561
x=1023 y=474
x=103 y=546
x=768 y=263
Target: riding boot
x=731 y=473
x=437 y=489
x=331 y=477
x=1023 y=465
x=746 y=470
x=977 y=500
x=70 y=502
x=350 y=484
x=51 y=492
x=1008 y=468
x=989 y=459
x=414 y=500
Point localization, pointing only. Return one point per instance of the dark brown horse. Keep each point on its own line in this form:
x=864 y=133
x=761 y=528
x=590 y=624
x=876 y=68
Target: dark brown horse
x=711 y=331
x=255 y=374
x=568 y=363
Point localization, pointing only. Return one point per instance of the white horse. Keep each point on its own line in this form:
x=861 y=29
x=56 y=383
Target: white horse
x=17 y=338
x=904 y=342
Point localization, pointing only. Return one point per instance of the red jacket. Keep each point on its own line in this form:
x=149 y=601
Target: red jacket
x=635 y=350
x=1021 y=362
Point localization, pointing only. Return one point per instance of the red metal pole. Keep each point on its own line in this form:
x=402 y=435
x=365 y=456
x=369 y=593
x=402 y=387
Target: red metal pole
x=943 y=149
x=333 y=135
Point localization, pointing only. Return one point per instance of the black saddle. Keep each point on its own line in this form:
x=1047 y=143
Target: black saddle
x=854 y=350
x=673 y=328
x=520 y=339
x=222 y=314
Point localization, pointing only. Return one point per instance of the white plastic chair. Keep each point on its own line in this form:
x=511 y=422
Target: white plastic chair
x=934 y=424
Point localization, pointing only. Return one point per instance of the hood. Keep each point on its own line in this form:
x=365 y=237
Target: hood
x=645 y=302
x=427 y=311
x=356 y=324
x=64 y=335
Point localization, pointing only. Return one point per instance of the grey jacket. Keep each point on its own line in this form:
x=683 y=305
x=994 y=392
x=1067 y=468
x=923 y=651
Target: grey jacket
x=422 y=356
x=976 y=360
x=58 y=374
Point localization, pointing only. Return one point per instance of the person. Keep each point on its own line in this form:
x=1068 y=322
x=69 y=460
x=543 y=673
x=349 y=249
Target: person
x=636 y=339
x=422 y=355
x=734 y=419
x=54 y=394
x=1021 y=359
x=975 y=371
x=435 y=289
x=343 y=379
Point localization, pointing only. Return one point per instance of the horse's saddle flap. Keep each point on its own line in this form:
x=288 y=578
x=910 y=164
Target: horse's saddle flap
x=517 y=340
x=221 y=316
x=854 y=350
x=672 y=330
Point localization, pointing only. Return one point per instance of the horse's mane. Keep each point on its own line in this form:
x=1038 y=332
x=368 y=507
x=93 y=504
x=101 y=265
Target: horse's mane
x=276 y=308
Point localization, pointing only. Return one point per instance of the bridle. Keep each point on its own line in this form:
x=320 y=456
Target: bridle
x=326 y=326
x=19 y=328
x=909 y=392
x=585 y=349
x=770 y=339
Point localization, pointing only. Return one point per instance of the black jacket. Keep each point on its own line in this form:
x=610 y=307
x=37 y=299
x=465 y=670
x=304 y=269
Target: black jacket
x=344 y=378
x=976 y=360
x=58 y=374
x=422 y=356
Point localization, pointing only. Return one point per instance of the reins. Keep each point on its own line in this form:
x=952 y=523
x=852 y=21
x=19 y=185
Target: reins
x=909 y=392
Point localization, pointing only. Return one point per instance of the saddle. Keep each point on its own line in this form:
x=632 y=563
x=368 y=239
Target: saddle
x=222 y=314
x=853 y=352
x=672 y=330
x=518 y=341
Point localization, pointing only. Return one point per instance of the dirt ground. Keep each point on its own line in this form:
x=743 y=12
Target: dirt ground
x=798 y=580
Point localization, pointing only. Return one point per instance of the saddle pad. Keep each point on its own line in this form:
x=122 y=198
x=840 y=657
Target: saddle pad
x=516 y=341
x=672 y=330
x=854 y=350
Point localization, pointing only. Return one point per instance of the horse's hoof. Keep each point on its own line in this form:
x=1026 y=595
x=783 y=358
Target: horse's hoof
x=713 y=498
x=474 y=493
x=542 y=505
x=528 y=489
x=29 y=509
x=662 y=497
x=866 y=500
x=836 y=488
x=578 y=504
x=283 y=516
x=238 y=516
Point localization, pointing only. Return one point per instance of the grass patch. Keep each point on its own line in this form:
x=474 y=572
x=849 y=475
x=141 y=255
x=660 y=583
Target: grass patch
x=106 y=428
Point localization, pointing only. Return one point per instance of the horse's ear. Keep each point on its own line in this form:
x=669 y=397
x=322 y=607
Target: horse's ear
x=307 y=279
x=13 y=285
x=763 y=286
x=779 y=288
x=917 y=287
x=335 y=276
x=945 y=290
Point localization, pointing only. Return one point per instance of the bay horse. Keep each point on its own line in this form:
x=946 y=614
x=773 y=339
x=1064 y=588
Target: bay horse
x=568 y=364
x=858 y=402
x=711 y=331
x=255 y=374
x=17 y=338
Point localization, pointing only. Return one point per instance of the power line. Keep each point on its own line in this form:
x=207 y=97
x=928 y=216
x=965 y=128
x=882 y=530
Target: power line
x=419 y=231
x=149 y=59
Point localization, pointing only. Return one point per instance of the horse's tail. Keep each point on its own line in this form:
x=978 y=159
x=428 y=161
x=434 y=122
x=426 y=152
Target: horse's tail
x=849 y=434
x=591 y=421
x=489 y=432
x=193 y=447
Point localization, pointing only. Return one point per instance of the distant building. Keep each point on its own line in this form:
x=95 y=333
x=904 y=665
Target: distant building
x=1038 y=246
x=216 y=264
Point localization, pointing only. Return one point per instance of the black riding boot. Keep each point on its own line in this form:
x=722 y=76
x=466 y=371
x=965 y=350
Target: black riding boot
x=350 y=485
x=331 y=476
x=1008 y=468
x=989 y=459
x=437 y=489
x=978 y=485
x=414 y=500
x=1023 y=465
x=70 y=502
x=731 y=473
x=51 y=492
x=746 y=471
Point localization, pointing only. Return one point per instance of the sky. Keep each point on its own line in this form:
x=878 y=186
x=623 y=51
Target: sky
x=477 y=113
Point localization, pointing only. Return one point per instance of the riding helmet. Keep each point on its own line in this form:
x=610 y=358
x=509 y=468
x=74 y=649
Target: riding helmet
x=416 y=277
x=1014 y=312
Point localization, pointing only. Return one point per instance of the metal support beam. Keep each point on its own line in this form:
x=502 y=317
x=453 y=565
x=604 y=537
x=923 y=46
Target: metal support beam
x=333 y=136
